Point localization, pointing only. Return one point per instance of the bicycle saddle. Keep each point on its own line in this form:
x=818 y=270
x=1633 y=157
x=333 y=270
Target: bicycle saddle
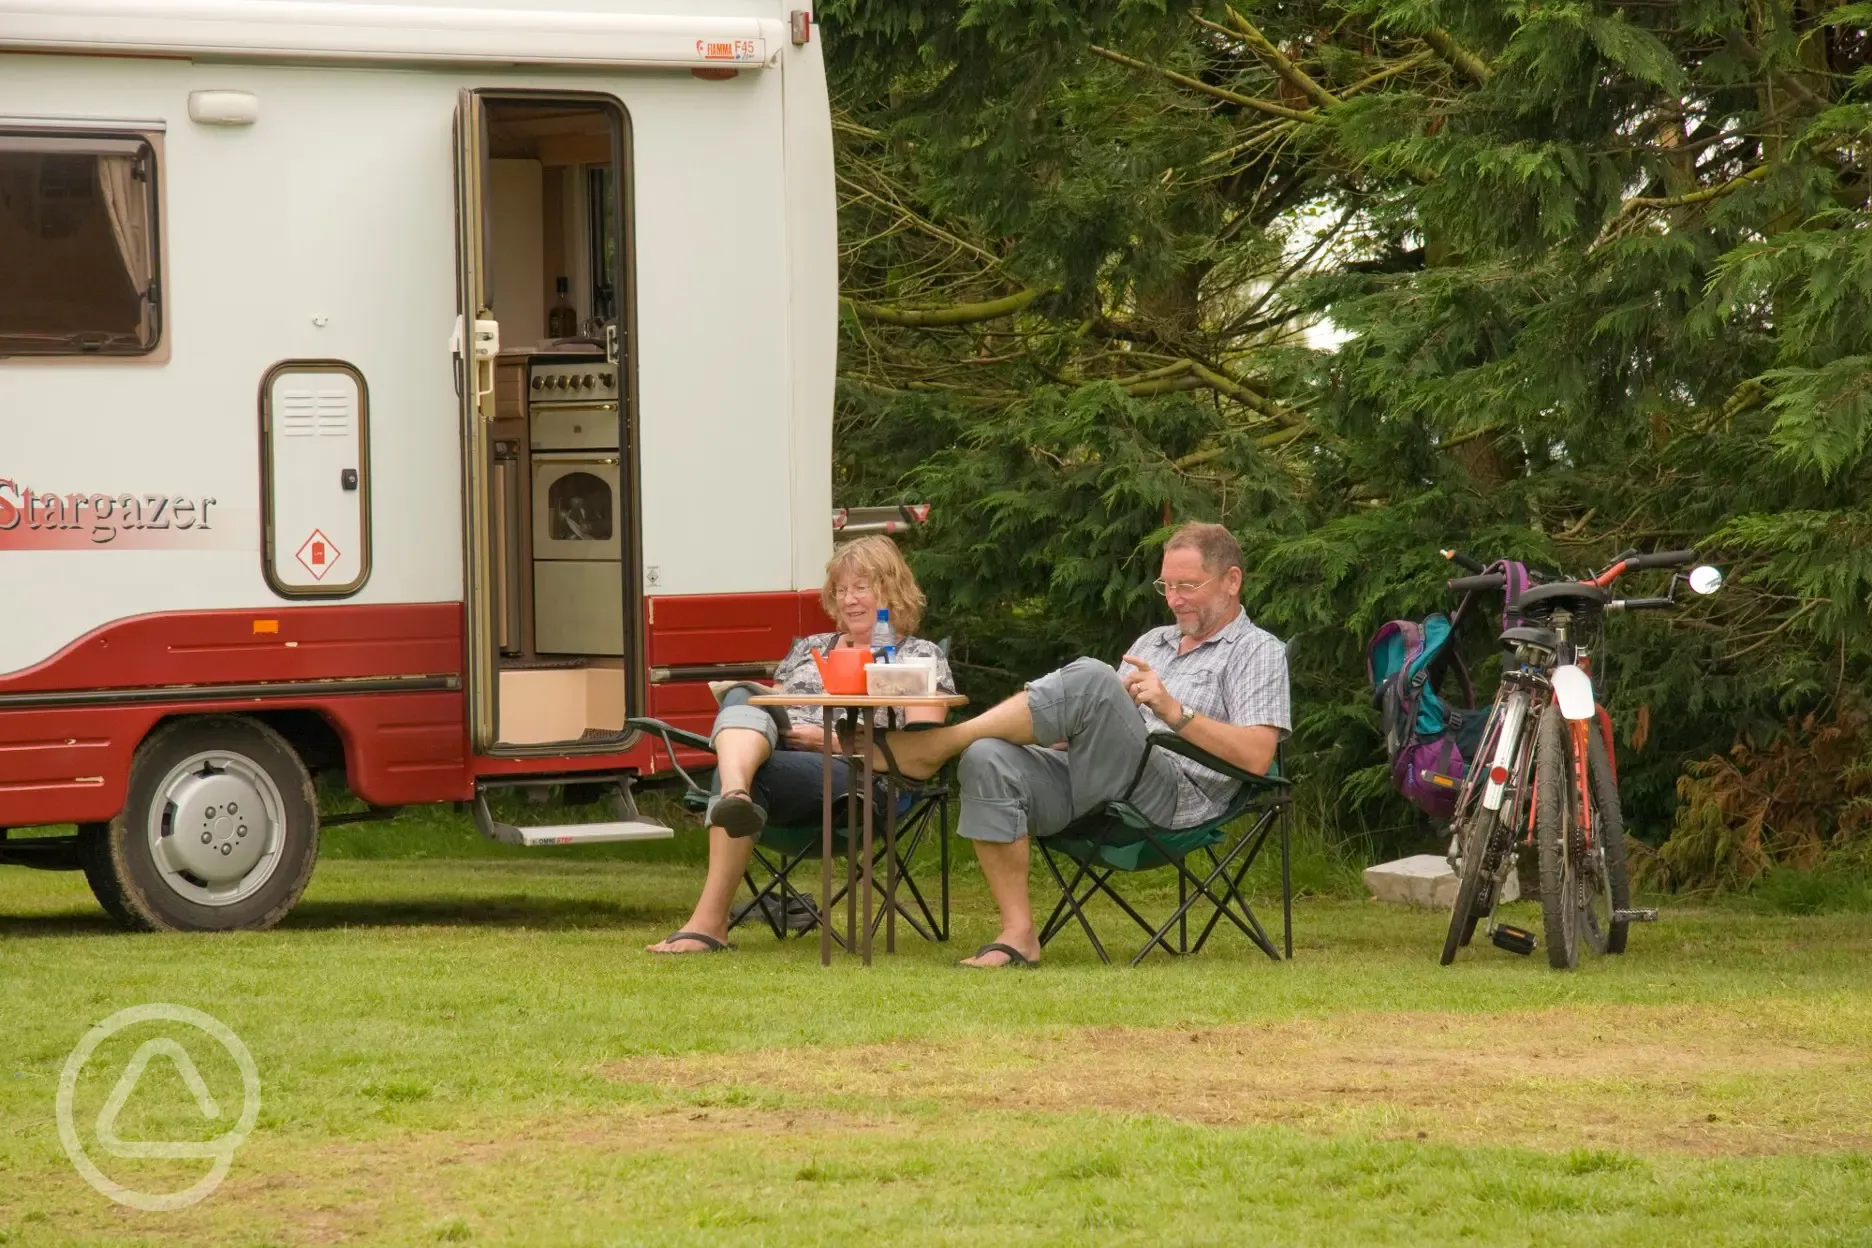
x=1562 y=592
x=1545 y=638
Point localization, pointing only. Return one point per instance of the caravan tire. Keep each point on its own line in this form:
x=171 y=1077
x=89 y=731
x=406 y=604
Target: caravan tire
x=219 y=831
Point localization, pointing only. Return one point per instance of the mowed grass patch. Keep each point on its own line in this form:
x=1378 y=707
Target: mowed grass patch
x=478 y=1051
x=1762 y=1078
x=703 y=1173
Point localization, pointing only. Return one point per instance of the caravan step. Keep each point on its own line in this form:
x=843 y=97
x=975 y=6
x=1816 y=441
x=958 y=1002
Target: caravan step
x=585 y=833
x=629 y=826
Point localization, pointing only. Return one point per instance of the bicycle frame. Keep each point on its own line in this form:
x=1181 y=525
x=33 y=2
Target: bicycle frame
x=1550 y=666
x=1507 y=744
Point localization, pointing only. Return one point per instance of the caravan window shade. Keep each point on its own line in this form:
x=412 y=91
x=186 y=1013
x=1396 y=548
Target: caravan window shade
x=79 y=230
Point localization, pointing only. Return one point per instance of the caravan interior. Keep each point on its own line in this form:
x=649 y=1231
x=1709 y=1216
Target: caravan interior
x=561 y=476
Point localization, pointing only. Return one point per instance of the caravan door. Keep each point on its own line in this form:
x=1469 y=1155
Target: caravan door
x=476 y=344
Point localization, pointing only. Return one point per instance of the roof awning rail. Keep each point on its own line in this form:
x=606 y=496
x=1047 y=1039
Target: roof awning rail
x=414 y=33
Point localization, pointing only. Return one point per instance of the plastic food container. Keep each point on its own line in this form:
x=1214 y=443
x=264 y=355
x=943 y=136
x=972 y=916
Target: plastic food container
x=900 y=680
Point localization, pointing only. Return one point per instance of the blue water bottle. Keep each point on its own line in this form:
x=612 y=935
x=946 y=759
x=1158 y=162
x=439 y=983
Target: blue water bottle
x=883 y=639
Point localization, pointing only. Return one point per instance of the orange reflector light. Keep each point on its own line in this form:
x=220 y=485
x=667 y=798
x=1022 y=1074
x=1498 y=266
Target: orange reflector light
x=265 y=626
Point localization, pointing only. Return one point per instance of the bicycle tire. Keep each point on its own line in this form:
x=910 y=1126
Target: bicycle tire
x=1552 y=823
x=1463 y=916
x=1609 y=836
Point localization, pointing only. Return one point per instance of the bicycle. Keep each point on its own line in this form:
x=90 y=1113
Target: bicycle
x=1570 y=811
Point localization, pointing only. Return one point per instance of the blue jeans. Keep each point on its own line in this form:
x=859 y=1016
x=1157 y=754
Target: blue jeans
x=788 y=786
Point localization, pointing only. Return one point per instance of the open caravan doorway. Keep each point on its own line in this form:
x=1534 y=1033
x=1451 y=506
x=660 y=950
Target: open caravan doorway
x=550 y=453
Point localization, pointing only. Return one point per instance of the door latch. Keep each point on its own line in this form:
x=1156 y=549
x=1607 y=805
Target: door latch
x=348 y=478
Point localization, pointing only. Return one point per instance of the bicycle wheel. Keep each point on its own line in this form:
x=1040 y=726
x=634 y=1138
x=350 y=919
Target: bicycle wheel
x=1603 y=886
x=1553 y=819
x=1464 y=913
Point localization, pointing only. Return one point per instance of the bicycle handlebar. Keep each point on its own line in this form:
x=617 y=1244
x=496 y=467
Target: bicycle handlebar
x=1663 y=559
x=1464 y=561
x=1629 y=561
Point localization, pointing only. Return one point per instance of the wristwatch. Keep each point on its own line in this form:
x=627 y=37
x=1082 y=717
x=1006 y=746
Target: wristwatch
x=1183 y=723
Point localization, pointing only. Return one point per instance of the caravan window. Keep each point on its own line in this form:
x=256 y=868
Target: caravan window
x=79 y=231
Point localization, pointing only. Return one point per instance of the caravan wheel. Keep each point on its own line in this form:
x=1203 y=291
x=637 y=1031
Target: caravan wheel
x=219 y=831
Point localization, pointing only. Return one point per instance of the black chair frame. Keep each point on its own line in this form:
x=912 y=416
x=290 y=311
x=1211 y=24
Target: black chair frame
x=929 y=806
x=1120 y=826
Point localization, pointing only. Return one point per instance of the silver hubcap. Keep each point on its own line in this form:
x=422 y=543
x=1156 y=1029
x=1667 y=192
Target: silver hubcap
x=216 y=828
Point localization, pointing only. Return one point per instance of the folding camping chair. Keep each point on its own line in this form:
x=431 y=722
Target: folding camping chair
x=922 y=810
x=1117 y=838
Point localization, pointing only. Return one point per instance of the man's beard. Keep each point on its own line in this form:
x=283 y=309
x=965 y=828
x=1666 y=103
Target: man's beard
x=1194 y=625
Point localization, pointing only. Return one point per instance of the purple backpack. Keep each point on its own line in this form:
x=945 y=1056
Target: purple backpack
x=1430 y=743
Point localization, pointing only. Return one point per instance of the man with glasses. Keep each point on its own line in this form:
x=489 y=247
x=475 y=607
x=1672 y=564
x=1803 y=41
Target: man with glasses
x=1212 y=676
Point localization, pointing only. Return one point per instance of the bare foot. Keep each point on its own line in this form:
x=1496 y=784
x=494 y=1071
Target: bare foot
x=919 y=755
x=1028 y=943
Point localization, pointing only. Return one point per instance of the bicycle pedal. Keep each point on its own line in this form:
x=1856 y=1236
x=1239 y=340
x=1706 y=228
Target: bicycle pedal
x=1647 y=915
x=1513 y=939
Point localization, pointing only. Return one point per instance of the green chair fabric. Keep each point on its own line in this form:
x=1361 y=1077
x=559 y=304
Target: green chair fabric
x=1117 y=839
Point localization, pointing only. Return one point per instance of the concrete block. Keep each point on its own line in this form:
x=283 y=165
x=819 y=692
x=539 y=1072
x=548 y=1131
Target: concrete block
x=1422 y=880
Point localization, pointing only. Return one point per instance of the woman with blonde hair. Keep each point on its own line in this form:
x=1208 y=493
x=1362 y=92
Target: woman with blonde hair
x=771 y=765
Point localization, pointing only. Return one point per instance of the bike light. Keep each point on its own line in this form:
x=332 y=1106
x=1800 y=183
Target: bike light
x=1573 y=687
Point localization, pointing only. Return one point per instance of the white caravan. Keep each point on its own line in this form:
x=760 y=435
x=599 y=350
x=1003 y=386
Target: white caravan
x=414 y=390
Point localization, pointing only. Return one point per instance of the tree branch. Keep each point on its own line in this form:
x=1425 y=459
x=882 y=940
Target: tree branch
x=1471 y=436
x=1697 y=197
x=955 y=314
x=1220 y=93
x=1235 y=389
x=1280 y=64
x=1266 y=442
x=1444 y=45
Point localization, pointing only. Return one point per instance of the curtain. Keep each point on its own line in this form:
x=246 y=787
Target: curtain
x=127 y=201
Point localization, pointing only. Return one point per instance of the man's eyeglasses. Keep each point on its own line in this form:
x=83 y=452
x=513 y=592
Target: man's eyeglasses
x=1182 y=587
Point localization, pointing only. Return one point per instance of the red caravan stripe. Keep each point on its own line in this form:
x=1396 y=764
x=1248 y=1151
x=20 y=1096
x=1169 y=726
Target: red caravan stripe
x=731 y=628
x=71 y=764
x=235 y=647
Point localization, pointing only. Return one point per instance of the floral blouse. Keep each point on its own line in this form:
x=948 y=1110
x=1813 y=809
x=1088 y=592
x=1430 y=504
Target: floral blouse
x=798 y=673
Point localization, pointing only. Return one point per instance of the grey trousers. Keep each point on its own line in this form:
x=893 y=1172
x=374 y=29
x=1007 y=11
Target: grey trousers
x=1011 y=791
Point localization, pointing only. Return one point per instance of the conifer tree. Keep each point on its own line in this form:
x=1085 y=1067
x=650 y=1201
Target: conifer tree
x=1597 y=275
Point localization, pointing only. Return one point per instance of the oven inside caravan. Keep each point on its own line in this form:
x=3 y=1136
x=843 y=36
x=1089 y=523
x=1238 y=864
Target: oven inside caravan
x=562 y=510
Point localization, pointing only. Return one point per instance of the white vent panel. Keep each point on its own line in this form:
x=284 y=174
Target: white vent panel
x=316 y=481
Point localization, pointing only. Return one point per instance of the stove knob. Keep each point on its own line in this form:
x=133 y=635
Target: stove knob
x=606 y=381
x=587 y=381
x=539 y=383
x=559 y=382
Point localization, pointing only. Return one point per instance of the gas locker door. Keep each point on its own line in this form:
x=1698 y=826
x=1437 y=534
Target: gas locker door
x=315 y=424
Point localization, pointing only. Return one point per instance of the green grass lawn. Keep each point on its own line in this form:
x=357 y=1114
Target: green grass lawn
x=463 y=1043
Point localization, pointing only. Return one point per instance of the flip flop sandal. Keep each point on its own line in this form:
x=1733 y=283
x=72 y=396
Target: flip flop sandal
x=714 y=946
x=738 y=816
x=1015 y=958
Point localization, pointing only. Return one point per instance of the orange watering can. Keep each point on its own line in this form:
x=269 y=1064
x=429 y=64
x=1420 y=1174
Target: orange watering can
x=842 y=669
